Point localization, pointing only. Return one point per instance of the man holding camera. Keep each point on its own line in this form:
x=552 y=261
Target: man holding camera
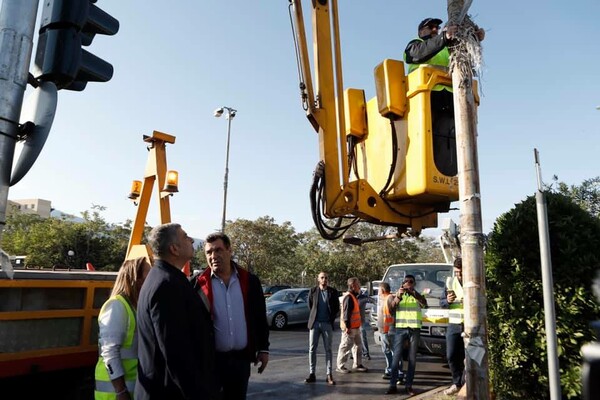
x=452 y=298
x=408 y=304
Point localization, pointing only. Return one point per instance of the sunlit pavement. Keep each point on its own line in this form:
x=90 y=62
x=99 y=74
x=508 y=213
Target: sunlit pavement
x=288 y=367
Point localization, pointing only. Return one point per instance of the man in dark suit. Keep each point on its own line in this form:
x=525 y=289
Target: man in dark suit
x=175 y=334
x=324 y=306
x=236 y=302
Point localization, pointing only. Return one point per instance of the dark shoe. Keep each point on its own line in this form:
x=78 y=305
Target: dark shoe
x=400 y=379
x=386 y=376
x=330 y=380
x=410 y=391
x=343 y=370
x=392 y=390
x=311 y=379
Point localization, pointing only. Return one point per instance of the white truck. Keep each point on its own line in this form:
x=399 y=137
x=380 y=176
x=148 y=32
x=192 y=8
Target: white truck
x=430 y=279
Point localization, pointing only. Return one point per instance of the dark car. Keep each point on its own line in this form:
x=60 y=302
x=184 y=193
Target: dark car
x=269 y=290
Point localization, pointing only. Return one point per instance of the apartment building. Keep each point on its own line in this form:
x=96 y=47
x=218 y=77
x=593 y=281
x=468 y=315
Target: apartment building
x=40 y=207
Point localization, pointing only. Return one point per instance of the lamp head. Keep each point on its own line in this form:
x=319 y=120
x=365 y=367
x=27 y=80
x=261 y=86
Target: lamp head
x=171 y=182
x=218 y=112
x=136 y=188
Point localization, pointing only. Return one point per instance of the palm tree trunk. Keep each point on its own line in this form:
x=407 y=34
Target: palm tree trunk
x=463 y=55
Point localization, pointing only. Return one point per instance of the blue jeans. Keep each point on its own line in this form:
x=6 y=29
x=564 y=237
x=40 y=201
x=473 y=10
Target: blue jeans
x=412 y=335
x=325 y=329
x=455 y=352
x=387 y=341
x=365 y=342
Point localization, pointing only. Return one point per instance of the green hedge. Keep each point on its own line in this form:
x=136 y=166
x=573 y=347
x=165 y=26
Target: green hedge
x=518 y=355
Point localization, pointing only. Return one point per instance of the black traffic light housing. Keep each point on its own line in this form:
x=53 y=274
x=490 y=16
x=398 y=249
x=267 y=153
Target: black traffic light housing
x=67 y=25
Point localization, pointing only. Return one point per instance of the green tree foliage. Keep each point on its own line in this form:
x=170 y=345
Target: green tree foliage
x=586 y=195
x=266 y=248
x=368 y=261
x=46 y=242
x=517 y=338
x=275 y=252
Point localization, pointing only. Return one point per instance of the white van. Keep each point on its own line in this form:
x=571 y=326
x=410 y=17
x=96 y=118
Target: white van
x=430 y=280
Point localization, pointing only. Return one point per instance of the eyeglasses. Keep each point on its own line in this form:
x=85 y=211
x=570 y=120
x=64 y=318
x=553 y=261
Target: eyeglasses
x=409 y=281
x=432 y=27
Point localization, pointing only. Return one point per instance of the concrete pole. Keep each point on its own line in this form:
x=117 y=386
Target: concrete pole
x=17 y=24
x=472 y=239
x=547 y=284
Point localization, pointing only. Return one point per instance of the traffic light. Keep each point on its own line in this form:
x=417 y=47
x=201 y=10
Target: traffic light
x=67 y=25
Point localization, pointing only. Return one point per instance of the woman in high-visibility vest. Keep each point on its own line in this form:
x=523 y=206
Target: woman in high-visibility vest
x=116 y=370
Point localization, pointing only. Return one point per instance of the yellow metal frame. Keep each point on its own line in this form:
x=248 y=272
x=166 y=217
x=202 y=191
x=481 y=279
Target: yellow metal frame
x=156 y=170
x=14 y=363
x=327 y=111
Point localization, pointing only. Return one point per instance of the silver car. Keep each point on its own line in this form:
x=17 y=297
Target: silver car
x=288 y=306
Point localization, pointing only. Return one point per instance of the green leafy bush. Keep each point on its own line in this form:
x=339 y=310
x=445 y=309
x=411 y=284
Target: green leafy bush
x=517 y=337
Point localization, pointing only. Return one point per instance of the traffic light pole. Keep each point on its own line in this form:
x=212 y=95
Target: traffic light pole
x=17 y=24
x=472 y=239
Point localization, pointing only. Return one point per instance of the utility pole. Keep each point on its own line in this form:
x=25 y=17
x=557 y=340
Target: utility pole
x=472 y=239
x=17 y=23
x=547 y=284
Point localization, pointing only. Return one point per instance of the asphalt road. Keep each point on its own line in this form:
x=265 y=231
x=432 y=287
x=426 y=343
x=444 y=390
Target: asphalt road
x=283 y=378
x=288 y=367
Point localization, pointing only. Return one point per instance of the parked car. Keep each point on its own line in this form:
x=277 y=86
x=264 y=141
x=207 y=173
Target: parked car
x=288 y=306
x=269 y=290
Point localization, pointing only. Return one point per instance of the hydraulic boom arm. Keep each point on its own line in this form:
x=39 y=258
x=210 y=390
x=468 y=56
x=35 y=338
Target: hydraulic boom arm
x=341 y=189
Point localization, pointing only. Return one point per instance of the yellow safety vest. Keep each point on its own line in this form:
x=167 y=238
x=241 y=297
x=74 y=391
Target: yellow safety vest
x=456 y=314
x=104 y=387
x=408 y=313
x=355 y=321
x=442 y=59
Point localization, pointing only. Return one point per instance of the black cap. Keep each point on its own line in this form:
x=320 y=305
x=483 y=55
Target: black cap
x=429 y=21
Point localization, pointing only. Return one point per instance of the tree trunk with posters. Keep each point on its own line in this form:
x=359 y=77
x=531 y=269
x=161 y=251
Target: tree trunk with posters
x=465 y=55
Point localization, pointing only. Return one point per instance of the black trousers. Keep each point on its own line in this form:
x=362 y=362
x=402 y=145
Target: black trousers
x=233 y=372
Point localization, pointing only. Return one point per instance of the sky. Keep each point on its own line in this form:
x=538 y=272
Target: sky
x=176 y=62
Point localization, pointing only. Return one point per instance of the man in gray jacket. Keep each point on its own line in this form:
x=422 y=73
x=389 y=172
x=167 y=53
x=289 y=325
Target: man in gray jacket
x=324 y=305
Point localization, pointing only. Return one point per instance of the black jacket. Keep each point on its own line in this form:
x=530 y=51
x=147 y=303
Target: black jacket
x=333 y=305
x=176 y=357
x=418 y=51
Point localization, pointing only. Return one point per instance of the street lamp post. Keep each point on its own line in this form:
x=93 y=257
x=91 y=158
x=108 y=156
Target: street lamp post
x=230 y=115
x=70 y=255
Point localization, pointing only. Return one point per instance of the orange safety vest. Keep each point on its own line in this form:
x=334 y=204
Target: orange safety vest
x=388 y=318
x=355 y=321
